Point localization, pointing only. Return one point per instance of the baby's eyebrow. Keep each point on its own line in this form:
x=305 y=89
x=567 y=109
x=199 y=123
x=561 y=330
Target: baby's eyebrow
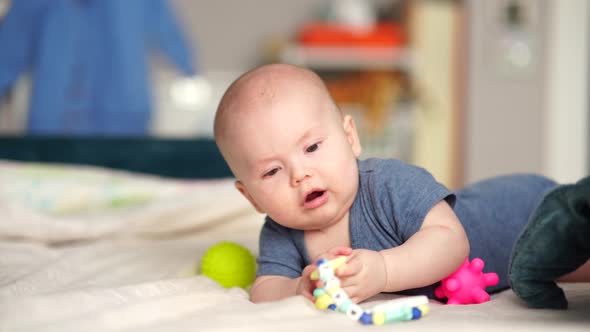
x=257 y=164
x=308 y=133
x=264 y=160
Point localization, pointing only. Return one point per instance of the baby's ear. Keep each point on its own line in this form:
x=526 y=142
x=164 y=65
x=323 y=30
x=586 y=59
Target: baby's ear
x=352 y=135
x=242 y=189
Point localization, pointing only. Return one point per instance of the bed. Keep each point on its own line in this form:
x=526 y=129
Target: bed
x=99 y=248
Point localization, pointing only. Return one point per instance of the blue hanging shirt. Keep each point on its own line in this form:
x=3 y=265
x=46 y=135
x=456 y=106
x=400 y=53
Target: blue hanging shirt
x=89 y=61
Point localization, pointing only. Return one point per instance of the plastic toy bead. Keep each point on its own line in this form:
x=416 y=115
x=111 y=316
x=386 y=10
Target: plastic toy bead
x=394 y=316
x=332 y=285
x=318 y=291
x=424 y=309
x=339 y=297
x=378 y=318
x=326 y=270
x=354 y=311
x=345 y=304
x=323 y=301
x=416 y=313
x=332 y=266
x=366 y=318
x=413 y=301
x=332 y=297
x=408 y=313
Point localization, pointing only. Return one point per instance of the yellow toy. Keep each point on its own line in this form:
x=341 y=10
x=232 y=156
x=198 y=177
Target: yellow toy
x=230 y=264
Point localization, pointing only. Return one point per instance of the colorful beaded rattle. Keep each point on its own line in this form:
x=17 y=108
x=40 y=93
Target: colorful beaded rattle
x=331 y=296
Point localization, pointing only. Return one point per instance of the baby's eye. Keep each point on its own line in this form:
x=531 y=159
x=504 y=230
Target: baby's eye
x=271 y=172
x=312 y=147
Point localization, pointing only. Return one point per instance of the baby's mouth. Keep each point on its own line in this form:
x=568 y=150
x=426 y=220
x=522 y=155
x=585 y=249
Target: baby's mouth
x=313 y=195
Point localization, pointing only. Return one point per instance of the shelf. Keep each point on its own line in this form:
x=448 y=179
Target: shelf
x=347 y=58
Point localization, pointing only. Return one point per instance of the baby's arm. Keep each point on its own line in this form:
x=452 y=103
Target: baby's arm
x=274 y=287
x=438 y=248
x=271 y=288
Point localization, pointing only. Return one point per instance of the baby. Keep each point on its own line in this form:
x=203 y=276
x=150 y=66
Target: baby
x=295 y=158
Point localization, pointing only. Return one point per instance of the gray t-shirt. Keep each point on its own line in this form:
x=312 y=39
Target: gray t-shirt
x=392 y=200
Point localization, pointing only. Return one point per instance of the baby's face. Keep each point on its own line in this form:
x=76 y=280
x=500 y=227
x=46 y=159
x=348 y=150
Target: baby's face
x=295 y=159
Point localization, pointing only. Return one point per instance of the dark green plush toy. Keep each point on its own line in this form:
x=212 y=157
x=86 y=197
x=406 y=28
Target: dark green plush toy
x=556 y=241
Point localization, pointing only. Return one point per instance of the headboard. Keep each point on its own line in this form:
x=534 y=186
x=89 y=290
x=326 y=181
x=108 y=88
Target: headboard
x=177 y=158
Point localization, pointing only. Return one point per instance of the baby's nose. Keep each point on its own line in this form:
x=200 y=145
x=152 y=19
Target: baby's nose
x=299 y=175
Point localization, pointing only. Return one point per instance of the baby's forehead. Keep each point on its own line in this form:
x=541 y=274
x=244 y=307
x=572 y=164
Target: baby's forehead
x=268 y=94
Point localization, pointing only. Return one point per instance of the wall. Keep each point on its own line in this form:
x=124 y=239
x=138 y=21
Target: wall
x=230 y=34
x=567 y=141
x=229 y=37
x=534 y=120
x=505 y=109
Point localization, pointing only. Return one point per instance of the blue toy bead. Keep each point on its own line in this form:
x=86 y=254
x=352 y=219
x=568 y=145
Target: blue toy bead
x=416 y=313
x=332 y=306
x=321 y=261
x=366 y=318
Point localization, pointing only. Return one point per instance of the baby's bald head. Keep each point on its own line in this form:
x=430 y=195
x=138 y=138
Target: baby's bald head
x=262 y=85
x=258 y=90
x=281 y=134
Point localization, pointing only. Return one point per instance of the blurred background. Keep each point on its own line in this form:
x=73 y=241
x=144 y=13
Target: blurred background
x=467 y=88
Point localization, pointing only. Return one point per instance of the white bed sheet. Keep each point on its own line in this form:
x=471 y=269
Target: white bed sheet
x=141 y=277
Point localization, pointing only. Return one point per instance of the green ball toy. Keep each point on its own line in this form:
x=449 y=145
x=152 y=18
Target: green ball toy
x=230 y=264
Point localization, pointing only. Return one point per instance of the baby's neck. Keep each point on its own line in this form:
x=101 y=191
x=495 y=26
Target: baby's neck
x=317 y=242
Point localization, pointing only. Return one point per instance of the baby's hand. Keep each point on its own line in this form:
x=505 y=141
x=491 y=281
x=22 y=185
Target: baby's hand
x=305 y=286
x=363 y=275
x=336 y=252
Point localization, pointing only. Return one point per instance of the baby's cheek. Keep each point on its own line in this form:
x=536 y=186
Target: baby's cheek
x=282 y=211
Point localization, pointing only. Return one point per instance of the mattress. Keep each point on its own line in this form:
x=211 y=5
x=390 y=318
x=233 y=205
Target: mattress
x=93 y=249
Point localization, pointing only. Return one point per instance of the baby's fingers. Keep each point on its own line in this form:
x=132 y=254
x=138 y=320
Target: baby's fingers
x=351 y=291
x=349 y=269
x=308 y=295
x=308 y=270
x=306 y=285
x=337 y=251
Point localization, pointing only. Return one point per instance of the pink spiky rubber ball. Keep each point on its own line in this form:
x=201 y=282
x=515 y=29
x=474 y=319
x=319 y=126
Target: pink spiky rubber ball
x=467 y=285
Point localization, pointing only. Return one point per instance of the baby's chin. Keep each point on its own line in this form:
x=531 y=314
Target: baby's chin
x=321 y=220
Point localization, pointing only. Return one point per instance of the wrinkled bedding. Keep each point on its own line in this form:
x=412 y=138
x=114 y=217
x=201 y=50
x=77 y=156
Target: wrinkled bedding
x=58 y=203
x=89 y=249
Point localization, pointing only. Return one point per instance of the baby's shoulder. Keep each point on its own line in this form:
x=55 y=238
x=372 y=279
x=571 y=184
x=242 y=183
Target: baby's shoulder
x=376 y=165
x=388 y=169
x=271 y=226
